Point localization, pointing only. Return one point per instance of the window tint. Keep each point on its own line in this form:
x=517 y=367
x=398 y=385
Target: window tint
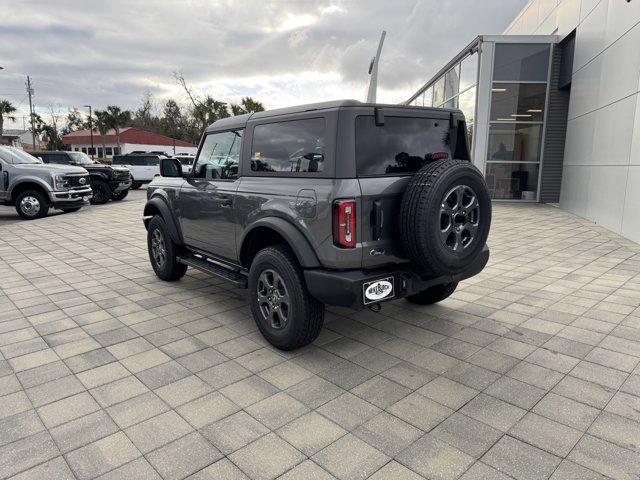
x=293 y=146
x=152 y=161
x=521 y=62
x=56 y=158
x=401 y=145
x=118 y=161
x=219 y=156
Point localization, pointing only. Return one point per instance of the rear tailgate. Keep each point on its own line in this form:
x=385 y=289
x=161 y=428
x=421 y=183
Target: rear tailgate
x=390 y=148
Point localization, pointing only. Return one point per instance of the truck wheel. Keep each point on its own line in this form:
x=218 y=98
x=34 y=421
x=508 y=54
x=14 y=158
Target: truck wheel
x=163 y=251
x=445 y=216
x=286 y=314
x=32 y=204
x=101 y=193
x=116 y=197
x=434 y=294
x=70 y=210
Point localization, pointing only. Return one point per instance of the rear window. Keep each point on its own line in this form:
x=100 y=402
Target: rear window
x=401 y=146
x=292 y=146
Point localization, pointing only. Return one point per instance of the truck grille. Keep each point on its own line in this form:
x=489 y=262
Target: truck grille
x=76 y=181
x=122 y=175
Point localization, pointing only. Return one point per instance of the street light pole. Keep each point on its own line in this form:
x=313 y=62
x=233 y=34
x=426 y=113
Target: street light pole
x=93 y=150
x=33 y=127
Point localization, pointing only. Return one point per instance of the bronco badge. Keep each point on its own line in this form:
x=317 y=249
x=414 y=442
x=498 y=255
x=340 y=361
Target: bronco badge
x=378 y=290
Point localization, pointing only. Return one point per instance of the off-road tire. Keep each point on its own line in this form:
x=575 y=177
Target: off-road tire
x=305 y=314
x=30 y=213
x=116 y=197
x=101 y=192
x=420 y=216
x=433 y=294
x=70 y=210
x=169 y=270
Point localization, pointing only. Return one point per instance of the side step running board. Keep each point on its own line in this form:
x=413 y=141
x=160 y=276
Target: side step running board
x=233 y=276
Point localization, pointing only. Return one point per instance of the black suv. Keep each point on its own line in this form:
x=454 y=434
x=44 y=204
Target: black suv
x=107 y=183
x=339 y=203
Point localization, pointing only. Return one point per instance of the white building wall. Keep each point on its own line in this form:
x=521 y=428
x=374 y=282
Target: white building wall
x=137 y=147
x=601 y=177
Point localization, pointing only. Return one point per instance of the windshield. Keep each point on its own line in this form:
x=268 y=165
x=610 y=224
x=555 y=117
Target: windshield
x=16 y=156
x=80 y=158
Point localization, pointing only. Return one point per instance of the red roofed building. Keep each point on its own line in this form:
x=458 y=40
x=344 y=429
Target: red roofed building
x=131 y=140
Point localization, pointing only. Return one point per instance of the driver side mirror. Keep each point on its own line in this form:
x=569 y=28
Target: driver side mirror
x=170 y=167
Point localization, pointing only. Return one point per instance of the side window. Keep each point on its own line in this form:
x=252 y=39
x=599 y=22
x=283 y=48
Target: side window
x=59 y=159
x=219 y=156
x=292 y=146
x=152 y=161
x=135 y=161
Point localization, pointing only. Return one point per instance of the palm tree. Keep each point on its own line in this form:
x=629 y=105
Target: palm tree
x=6 y=109
x=102 y=124
x=116 y=118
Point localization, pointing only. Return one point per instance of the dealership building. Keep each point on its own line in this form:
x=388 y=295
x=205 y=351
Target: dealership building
x=553 y=108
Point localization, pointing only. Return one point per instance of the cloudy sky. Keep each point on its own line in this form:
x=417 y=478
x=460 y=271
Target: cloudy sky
x=281 y=52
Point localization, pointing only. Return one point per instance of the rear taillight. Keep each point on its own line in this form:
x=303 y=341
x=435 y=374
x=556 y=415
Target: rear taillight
x=344 y=223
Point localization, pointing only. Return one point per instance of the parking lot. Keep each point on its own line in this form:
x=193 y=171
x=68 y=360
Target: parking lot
x=529 y=371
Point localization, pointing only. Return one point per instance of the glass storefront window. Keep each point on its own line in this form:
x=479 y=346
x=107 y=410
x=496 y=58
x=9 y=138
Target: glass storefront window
x=513 y=181
x=451 y=82
x=518 y=101
x=438 y=92
x=467 y=103
x=468 y=72
x=514 y=142
x=451 y=103
x=515 y=62
x=427 y=97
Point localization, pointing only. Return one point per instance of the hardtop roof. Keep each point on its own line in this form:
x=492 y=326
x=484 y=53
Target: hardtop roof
x=240 y=121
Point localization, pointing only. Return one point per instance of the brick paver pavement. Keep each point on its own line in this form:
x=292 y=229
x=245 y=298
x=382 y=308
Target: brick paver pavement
x=529 y=371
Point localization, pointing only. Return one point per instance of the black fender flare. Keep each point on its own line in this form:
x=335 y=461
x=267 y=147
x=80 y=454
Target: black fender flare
x=158 y=205
x=297 y=241
x=100 y=176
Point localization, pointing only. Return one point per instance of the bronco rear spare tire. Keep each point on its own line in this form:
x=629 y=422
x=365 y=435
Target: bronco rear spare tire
x=445 y=216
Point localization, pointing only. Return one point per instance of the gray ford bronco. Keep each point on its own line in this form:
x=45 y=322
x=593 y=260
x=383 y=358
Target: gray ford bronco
x=33 y=187
x=339 y=203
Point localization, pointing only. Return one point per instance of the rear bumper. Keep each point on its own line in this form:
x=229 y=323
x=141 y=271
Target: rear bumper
x=346 y=288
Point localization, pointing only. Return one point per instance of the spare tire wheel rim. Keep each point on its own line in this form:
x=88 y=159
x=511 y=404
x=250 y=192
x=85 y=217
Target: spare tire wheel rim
x=273 y=299
x=459 y=218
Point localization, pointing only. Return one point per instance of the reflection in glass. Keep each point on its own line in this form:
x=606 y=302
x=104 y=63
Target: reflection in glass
x=427 y=97
x=438 y=92
x=512 y=181
x=518 y=101
x=521 y=62
x=514 y=142
x=451 y=103
x=451 y=82
x=468 y=71
x=467 y=103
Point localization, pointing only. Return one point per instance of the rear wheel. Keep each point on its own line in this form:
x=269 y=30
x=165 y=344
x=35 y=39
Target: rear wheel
x=116 y=197
x=163 y=251
x=434 y=294
x=101 y=192
x=286 y=314
x=32 y=204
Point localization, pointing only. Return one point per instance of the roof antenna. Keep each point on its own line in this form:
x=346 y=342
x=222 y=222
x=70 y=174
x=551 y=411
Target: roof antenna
x=373 y=72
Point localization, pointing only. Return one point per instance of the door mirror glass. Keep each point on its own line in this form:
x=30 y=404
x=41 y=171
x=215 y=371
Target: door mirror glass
x=170 y=167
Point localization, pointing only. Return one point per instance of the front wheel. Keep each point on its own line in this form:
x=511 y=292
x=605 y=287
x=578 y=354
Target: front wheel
x=101 y=193
x=163 y=251
x=434 y=294
x=32 y=204
x=116 y=197
x=286 y=314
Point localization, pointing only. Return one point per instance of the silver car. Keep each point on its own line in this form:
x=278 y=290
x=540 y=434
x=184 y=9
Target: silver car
x=33 y=187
